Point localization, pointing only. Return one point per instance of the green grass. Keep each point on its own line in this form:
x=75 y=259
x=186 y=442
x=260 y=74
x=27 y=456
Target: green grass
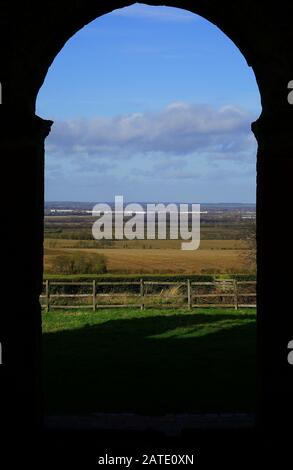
x=151 y=361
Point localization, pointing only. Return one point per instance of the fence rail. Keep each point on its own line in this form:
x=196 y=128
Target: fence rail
x=229 y=293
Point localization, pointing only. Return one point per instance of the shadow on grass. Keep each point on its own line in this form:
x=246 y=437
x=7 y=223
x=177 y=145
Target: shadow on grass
x=123 y=365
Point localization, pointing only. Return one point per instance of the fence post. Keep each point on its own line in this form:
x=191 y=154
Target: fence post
x=188 y=294
x=142 y=294
x=94 y=295
x=47 y=295
x=235 y=294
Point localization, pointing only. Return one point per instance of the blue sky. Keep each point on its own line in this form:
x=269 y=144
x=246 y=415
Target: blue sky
x=155 y=104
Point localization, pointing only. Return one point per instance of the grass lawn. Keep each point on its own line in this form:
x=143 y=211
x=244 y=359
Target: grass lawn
x=150 y=361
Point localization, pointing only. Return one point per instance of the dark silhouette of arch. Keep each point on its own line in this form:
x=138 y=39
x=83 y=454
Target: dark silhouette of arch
x=31 y=35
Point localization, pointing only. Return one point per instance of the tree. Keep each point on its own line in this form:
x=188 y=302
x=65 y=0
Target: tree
x=79 y=263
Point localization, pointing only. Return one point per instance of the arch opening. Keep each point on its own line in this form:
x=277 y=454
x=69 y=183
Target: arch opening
x=223 y=115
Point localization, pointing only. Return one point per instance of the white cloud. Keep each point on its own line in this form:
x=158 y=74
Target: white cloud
x=179 y=129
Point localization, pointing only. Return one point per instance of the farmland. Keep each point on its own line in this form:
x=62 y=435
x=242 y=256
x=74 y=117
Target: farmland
x=156 y=359
x=141 y=260
x=224 y=247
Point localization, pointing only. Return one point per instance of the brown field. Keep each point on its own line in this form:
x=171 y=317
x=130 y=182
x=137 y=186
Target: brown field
x=59 y=243
x=164 y=256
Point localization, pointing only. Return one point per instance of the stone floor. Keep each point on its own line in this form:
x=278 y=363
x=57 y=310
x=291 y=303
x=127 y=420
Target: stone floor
x=168 y=424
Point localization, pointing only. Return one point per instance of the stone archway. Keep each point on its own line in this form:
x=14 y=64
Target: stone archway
x=31 y=37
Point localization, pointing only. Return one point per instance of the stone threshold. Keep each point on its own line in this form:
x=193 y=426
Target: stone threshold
x=170 y=424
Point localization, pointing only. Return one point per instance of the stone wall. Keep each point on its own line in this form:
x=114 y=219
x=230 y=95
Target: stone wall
x=31 y=35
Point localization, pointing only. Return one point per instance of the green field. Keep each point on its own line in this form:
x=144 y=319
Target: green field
x=150 y=361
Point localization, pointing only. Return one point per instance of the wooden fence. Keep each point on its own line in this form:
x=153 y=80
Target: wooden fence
x=191 y=294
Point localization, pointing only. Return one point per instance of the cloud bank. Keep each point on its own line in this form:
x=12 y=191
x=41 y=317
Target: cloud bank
x=178 y=130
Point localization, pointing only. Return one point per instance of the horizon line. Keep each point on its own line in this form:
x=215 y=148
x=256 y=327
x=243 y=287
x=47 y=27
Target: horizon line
x=147 y=202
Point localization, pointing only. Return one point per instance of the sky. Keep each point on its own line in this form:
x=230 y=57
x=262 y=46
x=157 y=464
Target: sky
x=152 y=103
